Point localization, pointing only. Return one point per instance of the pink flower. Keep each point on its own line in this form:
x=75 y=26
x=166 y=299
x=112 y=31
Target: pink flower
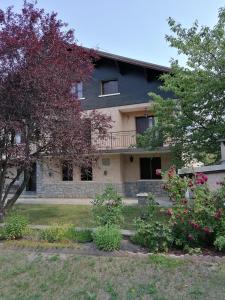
x=207 y=230
x=190 y=237
x=218 y=214
x=169 y=211
x=205 y=177
x=158 y=172
x=190 y=183
x=184 y=201
x=201 y=178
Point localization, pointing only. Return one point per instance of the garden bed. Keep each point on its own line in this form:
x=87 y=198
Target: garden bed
x=31 y=242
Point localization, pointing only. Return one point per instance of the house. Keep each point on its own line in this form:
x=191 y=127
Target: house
x=119 y=87
x=215 y=172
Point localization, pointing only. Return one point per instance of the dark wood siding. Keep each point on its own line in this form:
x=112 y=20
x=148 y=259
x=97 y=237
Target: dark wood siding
x=134 y=85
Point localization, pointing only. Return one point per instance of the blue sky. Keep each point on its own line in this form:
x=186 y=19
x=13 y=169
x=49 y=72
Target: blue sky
x=133 y=28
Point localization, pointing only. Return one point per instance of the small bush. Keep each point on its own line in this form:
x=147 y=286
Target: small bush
x=220 y=243
x=148 y=210
x=107 y=238
x=191 y=250
x=219 y=195
x=107 y=207
x=15 y=227
x=154 y=235
x=55 y=233
x=80 y=236
x=2 y=233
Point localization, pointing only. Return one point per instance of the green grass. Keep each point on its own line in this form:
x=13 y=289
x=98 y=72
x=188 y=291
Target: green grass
x=44 y=214
x=79 y=215
x=165 y=261
x=37 y=276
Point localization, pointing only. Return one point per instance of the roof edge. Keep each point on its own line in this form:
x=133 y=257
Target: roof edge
x=132 y=61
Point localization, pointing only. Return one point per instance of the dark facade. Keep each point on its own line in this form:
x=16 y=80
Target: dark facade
x=135 y=81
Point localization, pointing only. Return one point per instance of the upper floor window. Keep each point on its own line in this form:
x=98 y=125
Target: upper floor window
x=77 y=89
x=143 y=123
x=67 y=171
x=18 y=138
x=109 y=87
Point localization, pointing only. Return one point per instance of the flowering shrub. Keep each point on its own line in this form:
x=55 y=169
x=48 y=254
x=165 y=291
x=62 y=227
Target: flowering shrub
x=176 y=186
x=192 y=224
x=197 y=223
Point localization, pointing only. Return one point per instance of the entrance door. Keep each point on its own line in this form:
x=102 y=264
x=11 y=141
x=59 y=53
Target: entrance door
x=145 y=167
x=32 y=183
x=148 y=167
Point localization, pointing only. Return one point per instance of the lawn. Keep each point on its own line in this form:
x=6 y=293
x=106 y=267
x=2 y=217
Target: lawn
x=37 y=276
x=79 y=215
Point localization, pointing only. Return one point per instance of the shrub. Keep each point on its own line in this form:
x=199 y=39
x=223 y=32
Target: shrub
x=219 y=195
x=55 y=233
x=15 y=227
x=191 y=250
x=80 y=236
x=107 y=238
x=154 y=235
x=176 y=186
x=107 y=207
x=148 y=210
x=220 y=243
x=2 y=233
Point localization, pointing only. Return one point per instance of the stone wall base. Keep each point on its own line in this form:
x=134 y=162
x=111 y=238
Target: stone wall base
x=131 y=189
x=90 y=189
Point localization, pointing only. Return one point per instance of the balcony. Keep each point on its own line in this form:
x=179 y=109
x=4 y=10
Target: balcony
x=115 y=140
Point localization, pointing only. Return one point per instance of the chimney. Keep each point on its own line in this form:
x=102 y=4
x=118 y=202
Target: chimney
x=222 y=145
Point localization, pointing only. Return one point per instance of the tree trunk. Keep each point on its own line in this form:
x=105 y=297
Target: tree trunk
x=2 y=215
x=10 y=202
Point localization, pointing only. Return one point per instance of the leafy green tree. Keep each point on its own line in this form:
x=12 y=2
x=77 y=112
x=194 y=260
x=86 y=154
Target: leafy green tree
x=194 y=119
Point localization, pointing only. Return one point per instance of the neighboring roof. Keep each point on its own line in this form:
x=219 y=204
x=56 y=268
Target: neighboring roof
x=132 y=61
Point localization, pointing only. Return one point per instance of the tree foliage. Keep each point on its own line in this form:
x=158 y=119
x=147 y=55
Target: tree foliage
x=39 y=63
x=194 y=119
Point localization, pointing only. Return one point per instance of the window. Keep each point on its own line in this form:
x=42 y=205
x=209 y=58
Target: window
x=109 y=87
x=77 y=90
x=143 y=123
x=87 y=131
x=18 y=138
x=86 y=173
x=67 y=171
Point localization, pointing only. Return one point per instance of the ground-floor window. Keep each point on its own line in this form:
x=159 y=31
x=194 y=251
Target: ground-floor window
x=86 y=173
x=148 y=167
x=32 y=183
x=67 y=171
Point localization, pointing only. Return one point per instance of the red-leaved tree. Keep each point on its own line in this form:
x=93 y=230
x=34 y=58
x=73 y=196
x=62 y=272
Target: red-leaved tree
x=39 y=115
